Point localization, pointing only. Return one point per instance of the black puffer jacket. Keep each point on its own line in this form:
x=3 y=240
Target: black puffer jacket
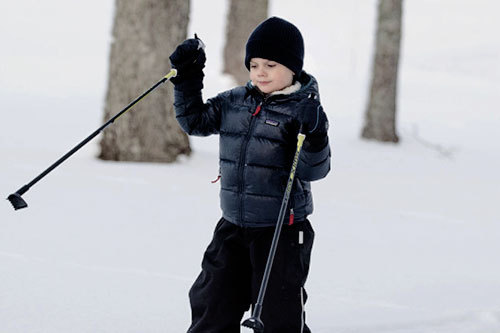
x=256 y=150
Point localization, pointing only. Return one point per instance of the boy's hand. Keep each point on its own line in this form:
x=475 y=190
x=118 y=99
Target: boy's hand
x=189 y=57
x=311 y=117
x=189 y=60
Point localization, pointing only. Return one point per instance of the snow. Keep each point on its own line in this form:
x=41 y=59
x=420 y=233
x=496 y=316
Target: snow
x=406 y=235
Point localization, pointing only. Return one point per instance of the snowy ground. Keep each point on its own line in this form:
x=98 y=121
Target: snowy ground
x=407 y=235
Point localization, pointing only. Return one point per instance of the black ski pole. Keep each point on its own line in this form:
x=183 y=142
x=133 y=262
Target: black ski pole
x=254 y=321
x=15 y=198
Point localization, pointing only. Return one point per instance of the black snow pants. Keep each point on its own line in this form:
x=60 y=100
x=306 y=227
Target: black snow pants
x=232 y=270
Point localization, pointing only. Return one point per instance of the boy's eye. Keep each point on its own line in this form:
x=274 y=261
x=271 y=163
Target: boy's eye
x=271 y=65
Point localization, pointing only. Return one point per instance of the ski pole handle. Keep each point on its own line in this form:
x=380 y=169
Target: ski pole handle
x=201 y=45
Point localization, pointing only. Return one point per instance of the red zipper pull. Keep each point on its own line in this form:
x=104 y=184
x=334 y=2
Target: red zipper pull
x=257 y=110
x=290 y=220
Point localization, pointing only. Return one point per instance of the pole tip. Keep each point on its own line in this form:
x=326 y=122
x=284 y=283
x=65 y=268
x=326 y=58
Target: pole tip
x=254 y=323
x=17 y=201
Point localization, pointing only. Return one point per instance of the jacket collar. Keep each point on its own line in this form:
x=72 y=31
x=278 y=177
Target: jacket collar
x=304 y=86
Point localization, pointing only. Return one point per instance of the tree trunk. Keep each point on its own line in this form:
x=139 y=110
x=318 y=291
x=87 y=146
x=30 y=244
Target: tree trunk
x=243 y=16
x=144 y=34
x=380 y=116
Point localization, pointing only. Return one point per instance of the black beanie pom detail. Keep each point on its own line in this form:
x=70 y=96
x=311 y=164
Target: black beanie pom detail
x=277 y=40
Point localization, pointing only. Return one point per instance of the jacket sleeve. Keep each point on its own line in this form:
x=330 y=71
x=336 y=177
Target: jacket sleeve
x=314 y=162
x=194 y=116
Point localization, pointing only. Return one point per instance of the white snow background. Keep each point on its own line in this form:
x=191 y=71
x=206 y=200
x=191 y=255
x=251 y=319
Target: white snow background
x=407 y=236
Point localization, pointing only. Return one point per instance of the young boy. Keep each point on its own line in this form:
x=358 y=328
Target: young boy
x=258 y=126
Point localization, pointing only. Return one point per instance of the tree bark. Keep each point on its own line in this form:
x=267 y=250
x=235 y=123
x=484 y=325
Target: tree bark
x=144 y=35
x=380 y=116
x=243 y=16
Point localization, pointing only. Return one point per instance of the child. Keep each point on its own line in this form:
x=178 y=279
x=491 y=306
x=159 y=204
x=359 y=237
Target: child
x=258 y=126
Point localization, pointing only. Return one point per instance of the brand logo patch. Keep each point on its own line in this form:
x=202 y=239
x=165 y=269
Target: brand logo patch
x=272 y=122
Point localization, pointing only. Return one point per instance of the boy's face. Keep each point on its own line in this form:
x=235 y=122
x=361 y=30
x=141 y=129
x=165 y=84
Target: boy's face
x=269 y=76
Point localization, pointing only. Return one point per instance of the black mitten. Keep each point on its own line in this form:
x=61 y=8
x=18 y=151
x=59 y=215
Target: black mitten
x=189 y=60
x=313 y=122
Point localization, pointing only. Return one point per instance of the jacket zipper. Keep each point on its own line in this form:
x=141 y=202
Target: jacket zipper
x=243 y=156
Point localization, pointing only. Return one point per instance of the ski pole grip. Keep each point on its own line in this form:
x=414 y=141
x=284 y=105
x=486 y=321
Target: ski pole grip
x=201 y=45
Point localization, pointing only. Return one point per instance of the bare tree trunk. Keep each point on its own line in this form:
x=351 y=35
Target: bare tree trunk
x=243 y=16
x=144 y=35
x=380 y=116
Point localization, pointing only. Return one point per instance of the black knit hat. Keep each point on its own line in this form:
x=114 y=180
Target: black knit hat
x=278 y=40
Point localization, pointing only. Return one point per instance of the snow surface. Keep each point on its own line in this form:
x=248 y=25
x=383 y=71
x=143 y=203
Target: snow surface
x=407 y=236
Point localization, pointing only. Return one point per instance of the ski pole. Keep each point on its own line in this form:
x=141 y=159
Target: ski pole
x=254 y=321
x=15 y=198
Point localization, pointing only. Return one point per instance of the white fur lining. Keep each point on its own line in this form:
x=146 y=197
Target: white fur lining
x=288 y=90
x=285 y=91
